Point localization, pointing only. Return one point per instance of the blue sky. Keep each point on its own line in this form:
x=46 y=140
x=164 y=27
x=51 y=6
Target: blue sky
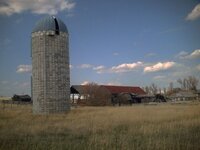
x=118 y=42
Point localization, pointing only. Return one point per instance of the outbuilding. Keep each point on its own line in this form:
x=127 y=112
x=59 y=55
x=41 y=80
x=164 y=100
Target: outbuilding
x=106 y=94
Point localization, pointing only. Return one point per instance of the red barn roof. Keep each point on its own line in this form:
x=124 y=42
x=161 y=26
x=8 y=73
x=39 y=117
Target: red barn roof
x=124 y=89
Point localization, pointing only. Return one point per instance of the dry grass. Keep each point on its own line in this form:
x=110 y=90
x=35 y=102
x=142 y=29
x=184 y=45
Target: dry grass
x=5 y=98
x=142 y=127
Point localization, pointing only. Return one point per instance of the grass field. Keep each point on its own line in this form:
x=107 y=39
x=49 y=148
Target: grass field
x=5 y=98
x=139 y=127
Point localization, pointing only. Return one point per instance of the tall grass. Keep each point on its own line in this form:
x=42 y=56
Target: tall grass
x=140 y=127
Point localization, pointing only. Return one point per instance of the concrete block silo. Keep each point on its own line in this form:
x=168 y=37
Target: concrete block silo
x=50 y=66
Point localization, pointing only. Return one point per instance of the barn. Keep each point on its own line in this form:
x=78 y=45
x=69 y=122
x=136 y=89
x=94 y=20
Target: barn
x=21 y=98
x=106 y=94
x=184 y=96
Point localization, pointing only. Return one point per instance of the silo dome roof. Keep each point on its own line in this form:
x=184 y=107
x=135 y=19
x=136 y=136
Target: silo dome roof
x=50 y=23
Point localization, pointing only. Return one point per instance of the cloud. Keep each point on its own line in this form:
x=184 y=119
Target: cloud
x=125 y=67
x=100 y=69
x=108 y=83
x=113 y=83
x=184 y=55
x=159 y=77
x=85 y=66
x=9 y=7
x=85 y=83
x=159 y=67
x=24 y=69
x=150 y=55
x=194 y=14
x=194 y=54
x=71 y=66
x=115 y=54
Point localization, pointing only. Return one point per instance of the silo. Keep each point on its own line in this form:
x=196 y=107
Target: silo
x=50 y=66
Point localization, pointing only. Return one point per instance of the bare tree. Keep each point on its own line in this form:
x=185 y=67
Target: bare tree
x=180 y=81
x=185 y=84
x=160 y=90
x=171 y=87
x=147 y=89
x=189 y=83
x=164 y=91
x=193 y=83
x=153 y=88
x=90 y=90
x=96 y=95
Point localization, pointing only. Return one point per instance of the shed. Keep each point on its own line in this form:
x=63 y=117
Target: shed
x=21 y=98
x=183 y=95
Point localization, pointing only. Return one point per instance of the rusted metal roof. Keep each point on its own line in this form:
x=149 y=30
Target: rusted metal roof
x=83 y=89
x=124 y=89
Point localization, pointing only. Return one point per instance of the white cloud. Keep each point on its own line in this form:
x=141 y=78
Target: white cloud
x=159 y=77
x=85 y=83
x=150 y=54
x=71 y=66
x=113 y=83
x=125 y=67
x=182 y=54
x=194 y=14
x=100 y=69
x=159 y=67
x=52 y=7
x=85 y=66
x=108 y=83
x=24 y=68
x=193 y=55
x=115 y=54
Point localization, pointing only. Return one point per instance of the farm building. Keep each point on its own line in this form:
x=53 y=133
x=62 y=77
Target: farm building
x=198 y=94
x=106 y=94
x=183 y=96
x=21 y=98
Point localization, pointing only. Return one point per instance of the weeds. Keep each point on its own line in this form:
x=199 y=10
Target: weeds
x=174 y=127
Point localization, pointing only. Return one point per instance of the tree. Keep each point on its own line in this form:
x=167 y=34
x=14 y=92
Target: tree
x=96 y=95
x=171 y=87
x=164 y=91
x=180 y=81
x=153 y=89
x=147 y=89
x=159 y=90
x=189 y=83
x=192 y=83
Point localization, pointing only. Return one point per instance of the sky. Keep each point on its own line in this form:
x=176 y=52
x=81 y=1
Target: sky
x=112 y=42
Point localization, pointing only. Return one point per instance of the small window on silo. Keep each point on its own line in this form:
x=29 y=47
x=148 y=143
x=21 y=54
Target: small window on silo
x=57 y=26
